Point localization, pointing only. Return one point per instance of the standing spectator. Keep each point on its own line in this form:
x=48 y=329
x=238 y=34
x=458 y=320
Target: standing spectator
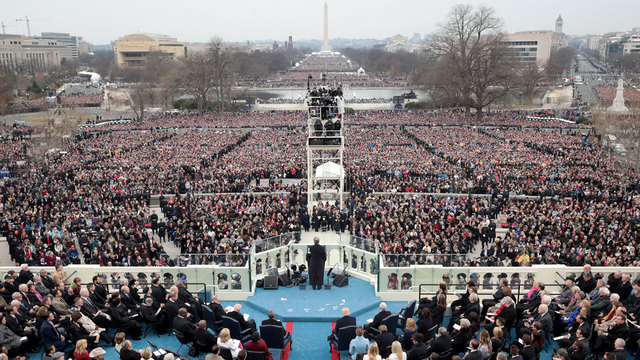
x=59 y=276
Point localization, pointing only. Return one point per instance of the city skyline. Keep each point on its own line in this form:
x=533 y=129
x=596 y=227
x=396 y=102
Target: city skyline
x=257 y=20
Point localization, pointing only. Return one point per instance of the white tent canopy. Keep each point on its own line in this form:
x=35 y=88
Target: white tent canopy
x=92 y=76
x=329 y=169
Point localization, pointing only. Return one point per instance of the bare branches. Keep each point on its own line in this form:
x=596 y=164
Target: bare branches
x=140 y=95
x=221 y=61
x=197 y=78
x=434 y=79
x=626 y=135
x=471 y=45
x=529 y=75
x=560 y=61
x=7 y=86
x=208 y=73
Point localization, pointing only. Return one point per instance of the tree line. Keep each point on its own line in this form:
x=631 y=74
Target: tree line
x=465 y=64
x=468 y=63
x=206 y=76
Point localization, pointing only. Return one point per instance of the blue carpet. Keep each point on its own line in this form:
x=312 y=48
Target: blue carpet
x=293 y=304
x=310 y=341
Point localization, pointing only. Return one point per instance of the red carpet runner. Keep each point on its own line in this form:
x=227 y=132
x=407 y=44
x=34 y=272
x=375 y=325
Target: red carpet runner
x=334 y=353
x=284 y=355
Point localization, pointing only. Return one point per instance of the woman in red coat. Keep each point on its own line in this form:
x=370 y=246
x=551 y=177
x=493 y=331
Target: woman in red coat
x=257 y=344
x=81 y=352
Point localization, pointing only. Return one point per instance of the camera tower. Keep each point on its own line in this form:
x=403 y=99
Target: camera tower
x=325 y=146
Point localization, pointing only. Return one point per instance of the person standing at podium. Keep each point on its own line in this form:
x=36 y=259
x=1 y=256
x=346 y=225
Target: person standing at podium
x=316 y=257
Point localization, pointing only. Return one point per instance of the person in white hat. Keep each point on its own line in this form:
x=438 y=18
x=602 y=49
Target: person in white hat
x=97 y=353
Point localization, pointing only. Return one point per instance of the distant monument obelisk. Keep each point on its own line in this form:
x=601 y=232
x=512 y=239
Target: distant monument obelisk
x=325 y=44
x=618 y=106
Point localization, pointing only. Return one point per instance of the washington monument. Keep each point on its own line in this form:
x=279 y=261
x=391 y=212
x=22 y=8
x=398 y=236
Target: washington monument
x=325 y=44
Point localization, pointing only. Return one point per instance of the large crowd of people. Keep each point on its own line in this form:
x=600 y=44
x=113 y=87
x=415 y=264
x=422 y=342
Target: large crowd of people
x=425 y=187
x=607 y=93
x=90 y=200
x=351 y=80
x=229 y=225
x=445 y=117
x=81 y=95
x=348 y=101
x=83 y=100
x=74 y=95
x=334 y=69
x=590 y=315
x=63 y=318
x=530 y=163
x=414 y=229
x=27 y=106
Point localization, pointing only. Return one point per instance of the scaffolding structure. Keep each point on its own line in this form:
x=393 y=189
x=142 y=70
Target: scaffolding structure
x=325 y=147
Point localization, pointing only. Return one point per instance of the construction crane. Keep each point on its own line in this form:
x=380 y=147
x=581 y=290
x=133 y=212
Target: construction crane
x=4 y=32
x=26 y=19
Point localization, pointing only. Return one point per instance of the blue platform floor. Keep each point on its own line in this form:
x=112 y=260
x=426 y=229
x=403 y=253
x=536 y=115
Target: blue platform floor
x=311 y=312
x=293 y=304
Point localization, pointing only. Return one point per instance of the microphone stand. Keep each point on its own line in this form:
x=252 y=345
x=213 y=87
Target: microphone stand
x=327 y=285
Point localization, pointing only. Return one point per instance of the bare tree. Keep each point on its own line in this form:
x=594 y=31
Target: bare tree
x=560 y=61
x=433 y=78
x=471 y=41
x=260 y=64
x=629 y=63
x=220 y=60
x=529 y=75
x=7 y=86
x=492 y=74
x=140 y=96
x=161 y=71
x=626 y=135
x=404 y=64
x=144 y=91
x=170 y=86
x=157 y=65
x=197 y=78
x=381 y=62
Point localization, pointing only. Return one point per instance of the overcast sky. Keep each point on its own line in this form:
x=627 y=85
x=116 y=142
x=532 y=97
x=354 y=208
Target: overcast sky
x=99 y=22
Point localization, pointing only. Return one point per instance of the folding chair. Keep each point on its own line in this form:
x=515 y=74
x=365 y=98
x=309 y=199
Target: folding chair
x=235 y=330
x=275 y=337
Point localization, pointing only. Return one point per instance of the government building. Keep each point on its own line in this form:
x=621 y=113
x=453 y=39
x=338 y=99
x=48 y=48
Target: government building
x=21 y=53
x=529 y=46
x=132 y=50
